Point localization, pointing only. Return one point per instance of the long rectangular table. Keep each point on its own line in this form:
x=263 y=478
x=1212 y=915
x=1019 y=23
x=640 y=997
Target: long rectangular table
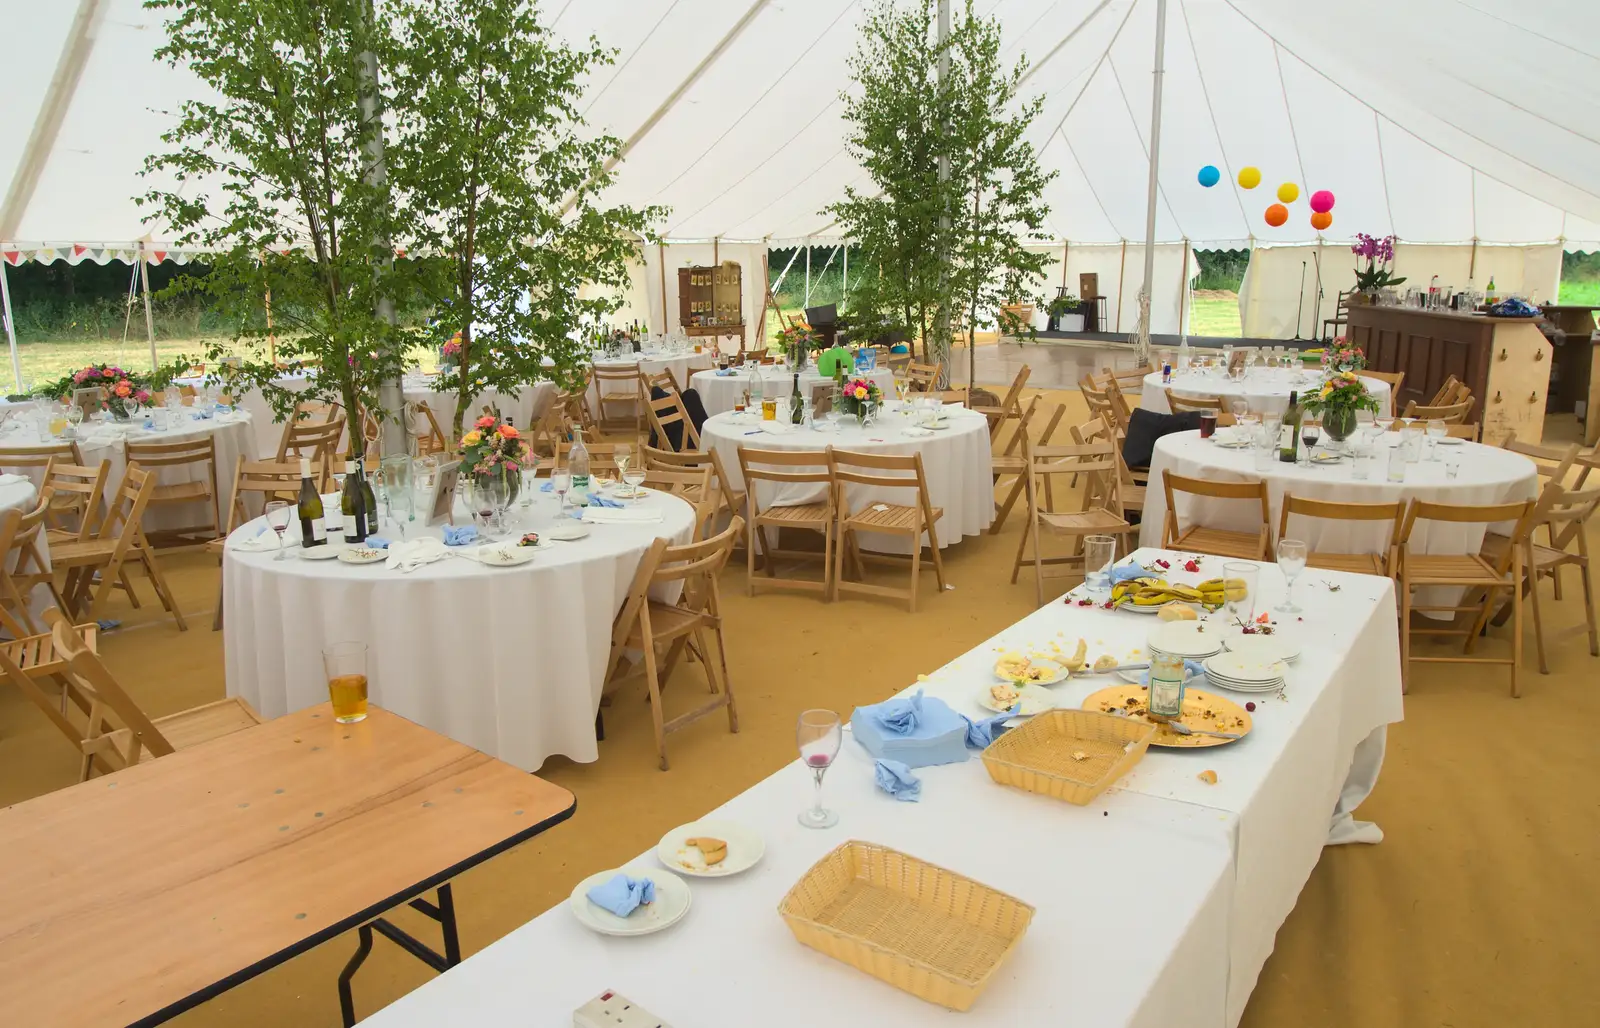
x=133 y=897
x=1156 y=905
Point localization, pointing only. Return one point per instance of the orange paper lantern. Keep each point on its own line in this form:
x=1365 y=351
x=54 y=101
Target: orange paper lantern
x=1320 y=220
x=1277 y=214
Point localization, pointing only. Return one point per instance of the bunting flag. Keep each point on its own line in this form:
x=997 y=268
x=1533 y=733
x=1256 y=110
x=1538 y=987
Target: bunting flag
x=160 y=255
x=99 y=254
x=13 y=257
x=78 y=249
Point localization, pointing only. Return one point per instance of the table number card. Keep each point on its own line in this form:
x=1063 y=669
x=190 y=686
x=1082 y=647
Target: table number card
x=443 y=497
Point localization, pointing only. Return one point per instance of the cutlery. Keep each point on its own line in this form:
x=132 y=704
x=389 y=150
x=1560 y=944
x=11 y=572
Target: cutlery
x=1182 y=729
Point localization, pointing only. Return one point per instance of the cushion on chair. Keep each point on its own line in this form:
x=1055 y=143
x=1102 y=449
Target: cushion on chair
x=1145 y=427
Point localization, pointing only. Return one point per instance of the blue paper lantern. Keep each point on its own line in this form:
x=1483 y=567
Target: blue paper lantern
x=1210 y=176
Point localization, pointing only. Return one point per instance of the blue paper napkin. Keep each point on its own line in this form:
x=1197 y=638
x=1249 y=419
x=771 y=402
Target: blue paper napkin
x=897 y=780
x=459 y=535
x=548 y=486
x=623 y=895
x=899 y=716
x=1123 y=572
x=377 y=542
x=726 y=373
x=596 y=500
x=981 y=733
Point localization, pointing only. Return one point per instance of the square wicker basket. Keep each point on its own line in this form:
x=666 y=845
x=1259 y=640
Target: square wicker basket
x=1073 y=755
x=922 y=929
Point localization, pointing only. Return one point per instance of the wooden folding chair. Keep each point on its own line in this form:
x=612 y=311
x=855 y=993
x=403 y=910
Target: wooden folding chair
x=668 y=411
x=664 y=380
x=1014 y=462
x=1220 y=542
x=196 y=458
x=725 y=497
x=693 y=486
x=267 y=480
x=1100 y=514
x=880 y=472
x=1010 y=409
x=1382 y=563
x=116 y=732
x=1471 y=572
x=25 y=460
x=620 y=397
x=1117 y=404
x=23 y=570
x=956 y=394
x=1566 y=513
x=1447 y=393
x=426 y=431
x=120 y=538
x=602 y=456
x=644 y=625
x=1097 y=399
x=1128 y=380
x=922 y=377
x=1394 y=379
x=782 y=468
x=1450 y=414
x=318 y=440
x=76 y=488
x=1178 y=404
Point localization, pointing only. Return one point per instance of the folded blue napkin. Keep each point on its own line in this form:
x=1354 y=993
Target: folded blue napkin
x=548 y=486
x=377 y=542
x=459 y=535
x=1123 y=572
x=203 y=415
x=596 y=500
x=897 y=780
x=899 y=716
x=981 y=733
x=726 y=373
x=623 y=895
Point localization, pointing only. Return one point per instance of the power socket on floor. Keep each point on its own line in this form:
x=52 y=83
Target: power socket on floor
x=611 y=1009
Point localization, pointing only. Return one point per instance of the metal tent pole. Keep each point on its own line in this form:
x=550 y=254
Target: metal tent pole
x=149 y=322
x=1142 y=341
x=942 y=331
x=11 y=331
x=807 y=302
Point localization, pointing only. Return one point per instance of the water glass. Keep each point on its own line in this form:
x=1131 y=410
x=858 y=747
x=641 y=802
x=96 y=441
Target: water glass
x=818 y=735
x=346 y=667
x=1291 y=561
x=1452 y=466
x=1411 y=438
x=1099 y=552
x=1436 y=430
x=1239 y=582
x=1361 y=458
x=396 y=474
x=1397 y=463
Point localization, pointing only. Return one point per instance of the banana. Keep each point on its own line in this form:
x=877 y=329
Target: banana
x=1079 y=658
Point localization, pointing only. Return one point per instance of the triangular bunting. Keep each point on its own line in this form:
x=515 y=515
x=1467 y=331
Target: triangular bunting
x=160 y=255
x=44 y=256
x=62 y=252
x=98 y=253
x=13 y=257
x=78 y=249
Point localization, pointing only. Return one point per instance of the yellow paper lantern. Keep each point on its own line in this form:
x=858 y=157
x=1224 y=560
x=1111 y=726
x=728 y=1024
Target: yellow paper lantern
x=1249 y=177
x=1288 y=192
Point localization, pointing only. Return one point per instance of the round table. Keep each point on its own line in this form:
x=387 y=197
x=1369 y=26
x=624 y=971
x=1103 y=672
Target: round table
x=1488 y=475
x=507 y=660
x=955 y=461
x=1265 y=389
x=719 y=392
x=232 y=431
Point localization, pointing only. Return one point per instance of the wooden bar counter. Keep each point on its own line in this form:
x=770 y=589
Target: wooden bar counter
x=1504 y=361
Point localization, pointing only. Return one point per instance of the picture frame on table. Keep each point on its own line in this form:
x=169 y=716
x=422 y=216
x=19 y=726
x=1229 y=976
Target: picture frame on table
x=89 y=399
x=442 y=498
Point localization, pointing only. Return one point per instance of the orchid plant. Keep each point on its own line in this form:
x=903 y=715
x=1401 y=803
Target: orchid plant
x=1379 y=273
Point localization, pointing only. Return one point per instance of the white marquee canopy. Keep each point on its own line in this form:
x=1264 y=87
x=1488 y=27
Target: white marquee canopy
x=1442 y=121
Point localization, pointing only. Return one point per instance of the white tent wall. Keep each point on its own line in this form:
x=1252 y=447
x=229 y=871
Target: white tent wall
x=1268 y=296
x=1121 y=275
x=682 y=255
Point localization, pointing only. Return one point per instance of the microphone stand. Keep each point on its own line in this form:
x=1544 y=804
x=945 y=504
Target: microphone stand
x=1300 y=302
x=1316 y=255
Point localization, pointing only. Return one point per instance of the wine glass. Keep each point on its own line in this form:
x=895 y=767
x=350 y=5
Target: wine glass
x=74 y=418
x=633 y=477
x=623 y=456
x=1239 y=408
x=1310 y=432
x=278 y=519
x=1437 y=430
x=500 y=495
x=1291 y=561
x=818 y=734
x=560 y=484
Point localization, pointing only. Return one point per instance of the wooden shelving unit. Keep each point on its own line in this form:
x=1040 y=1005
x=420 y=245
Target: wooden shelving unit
x=711 y=300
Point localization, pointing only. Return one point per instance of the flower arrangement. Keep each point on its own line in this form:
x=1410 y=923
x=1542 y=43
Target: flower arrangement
x=450 y=353
x=859 y=396
x=1380 y=256
x=491 y=446
x=797 y=341
x=1342 y=394
x=1345 y=357
x=123 y=390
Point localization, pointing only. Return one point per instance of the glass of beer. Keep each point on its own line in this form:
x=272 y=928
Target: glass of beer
x=346 y=666
x=769 y=408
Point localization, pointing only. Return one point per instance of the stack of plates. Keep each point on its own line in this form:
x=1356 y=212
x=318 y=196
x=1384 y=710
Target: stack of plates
x=1191 y=640
x=1262 y=647
x=1241 y=672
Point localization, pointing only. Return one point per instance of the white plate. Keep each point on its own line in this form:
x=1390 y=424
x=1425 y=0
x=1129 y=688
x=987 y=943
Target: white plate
x=1190 y=639
x=362 y=555
x=1035 y=699
x=505 y=556
x=325 y=552
x=1450 y=440
x=745 y=849
x=1136 y=608
x=671 y=903
x=1244 y=669
x=1054 y=670
x=1261 y=647
x=567 y=533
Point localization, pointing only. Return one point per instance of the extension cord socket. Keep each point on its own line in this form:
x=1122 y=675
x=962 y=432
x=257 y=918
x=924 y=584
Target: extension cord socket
x=611 y=1009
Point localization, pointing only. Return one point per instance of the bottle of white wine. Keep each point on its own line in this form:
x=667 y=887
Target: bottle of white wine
x=313 y=532
x=1289 y=434
x=354 y=503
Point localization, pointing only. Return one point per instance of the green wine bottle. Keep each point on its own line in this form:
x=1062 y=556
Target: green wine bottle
x=313 y=531
x=1289 y=433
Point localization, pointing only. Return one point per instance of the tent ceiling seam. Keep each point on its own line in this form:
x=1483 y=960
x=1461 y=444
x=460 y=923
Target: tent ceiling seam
x=1537 y=35
x=1288 y=113
x=1074 y=154
x=1064 y=41
x=1211 y=113
x=616 y=72
x=1383 y=170
x=1133 y=119
x=1092 y=73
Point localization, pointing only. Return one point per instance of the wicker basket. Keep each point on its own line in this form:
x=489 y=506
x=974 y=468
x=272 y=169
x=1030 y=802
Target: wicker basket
x=922 y=929
x=1073 y=755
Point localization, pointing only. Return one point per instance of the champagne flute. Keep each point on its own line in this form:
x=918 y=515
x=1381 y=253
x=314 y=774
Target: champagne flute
x=1291 y=561
x=278 y=519
x=818 y=734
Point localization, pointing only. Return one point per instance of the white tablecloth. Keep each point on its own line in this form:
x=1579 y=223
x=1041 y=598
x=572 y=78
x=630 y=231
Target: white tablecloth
x=1488 y=475
x=233 y=433
x=507 y=660
x=682 y=366
x=1111 y=943
x=1266 y=389
x=955 y=461
x=719 y=392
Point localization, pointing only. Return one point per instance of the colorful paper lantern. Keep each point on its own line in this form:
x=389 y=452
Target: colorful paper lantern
x=1210 y=176
x=1288 y=192
x=1249 y=177
x=1320 y=220
x=1277 y=214
x=1322 y=201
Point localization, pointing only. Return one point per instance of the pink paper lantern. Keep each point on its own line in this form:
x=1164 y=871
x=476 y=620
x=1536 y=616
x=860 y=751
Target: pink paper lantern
x=1322 y=201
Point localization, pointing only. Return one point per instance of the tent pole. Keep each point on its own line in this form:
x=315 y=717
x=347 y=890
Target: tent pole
x=1183 y=297
x=149 y=322
x=1141 y=350
x=1065 y=249
x=808 y=274
x=1122 y=274
x=844 y=290
x=11 y=331
x=661 y=259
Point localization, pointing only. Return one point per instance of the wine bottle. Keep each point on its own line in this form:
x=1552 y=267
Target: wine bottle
x=578 y=467
x=797 y=403
x=312 y=530
x=335 y=519
x=1289 y=434
x=370 y=501
x=354 y=503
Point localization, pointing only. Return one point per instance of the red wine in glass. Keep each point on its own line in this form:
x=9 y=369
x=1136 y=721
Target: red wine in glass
x=818 y=734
